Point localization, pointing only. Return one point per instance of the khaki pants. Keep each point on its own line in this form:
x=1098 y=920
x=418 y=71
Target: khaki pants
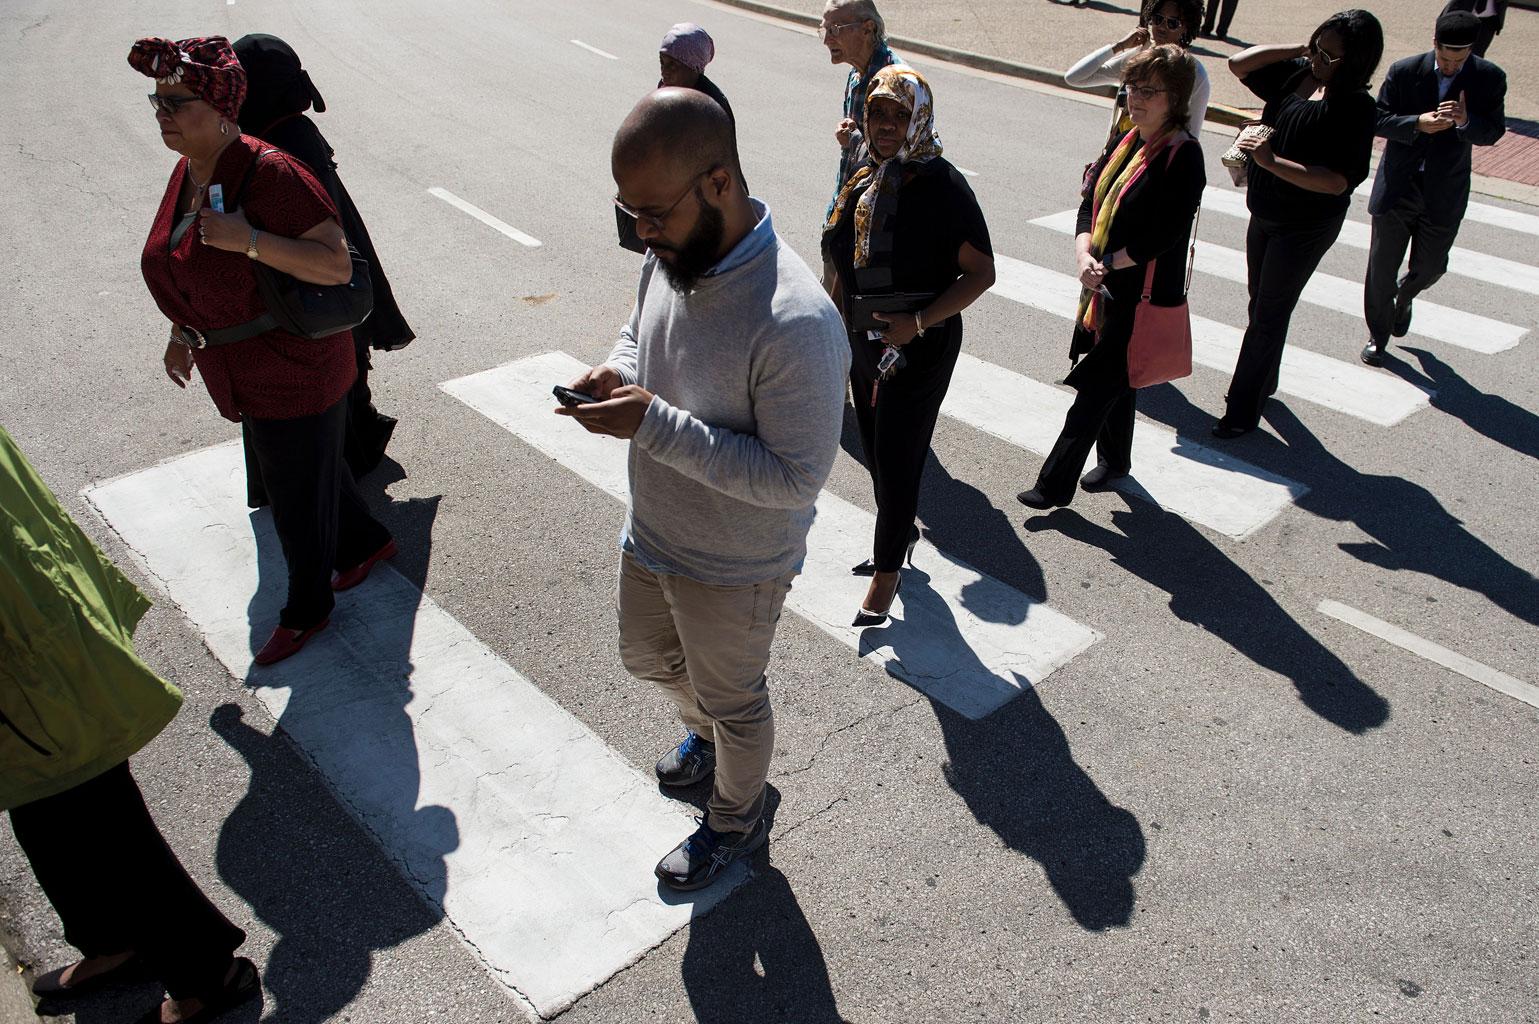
x=707 y=647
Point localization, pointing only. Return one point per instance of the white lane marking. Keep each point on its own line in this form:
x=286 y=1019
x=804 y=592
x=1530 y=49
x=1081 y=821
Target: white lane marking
x=1350 y=388
x=1497 y=270
x=963 y=638
x=484 y=217
x=965 y=171
x=1499 y=681
x=1441 y=323
x=594 y=49
x=543 y=859
x=1501 y=217
x=1195 y=482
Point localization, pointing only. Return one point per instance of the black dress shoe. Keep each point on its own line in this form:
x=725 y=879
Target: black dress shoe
x=1102 y=476
x=868 y=567
x=1226 y=431
x=1036 y=499
x=866 y=618
x=1373 y=354
x=1402 y=325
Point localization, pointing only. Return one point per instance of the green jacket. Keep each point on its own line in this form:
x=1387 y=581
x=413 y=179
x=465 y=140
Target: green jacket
x=74 y=698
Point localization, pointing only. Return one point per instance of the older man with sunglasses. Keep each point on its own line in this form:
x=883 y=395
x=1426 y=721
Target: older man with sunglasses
x=728 y=380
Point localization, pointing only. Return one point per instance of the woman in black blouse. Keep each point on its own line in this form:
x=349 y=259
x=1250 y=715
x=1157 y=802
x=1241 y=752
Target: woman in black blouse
x=1322 y=119
x=1148 y=184
x=906 y=225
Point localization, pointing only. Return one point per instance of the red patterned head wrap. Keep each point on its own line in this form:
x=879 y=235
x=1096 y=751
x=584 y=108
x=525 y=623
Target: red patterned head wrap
x=207 y=65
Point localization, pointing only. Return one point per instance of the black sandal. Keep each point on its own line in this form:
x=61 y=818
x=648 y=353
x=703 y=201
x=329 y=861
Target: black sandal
x=246 y=984
x=48 y=986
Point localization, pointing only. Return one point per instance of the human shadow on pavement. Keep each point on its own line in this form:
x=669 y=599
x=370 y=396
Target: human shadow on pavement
x=1018 y=777
x=335 y=890
x=755 y=960
x=1492 y=416
x=1209 y=590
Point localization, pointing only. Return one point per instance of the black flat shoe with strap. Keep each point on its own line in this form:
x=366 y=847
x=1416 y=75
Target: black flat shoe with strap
x=246 y=984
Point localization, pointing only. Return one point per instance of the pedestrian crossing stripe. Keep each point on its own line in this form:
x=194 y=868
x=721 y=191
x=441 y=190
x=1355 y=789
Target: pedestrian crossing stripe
x=960 y=637
x=1195 y=482
x=1432 y=320
x=1351 y=388
x=535 y=838
x=1477 y=266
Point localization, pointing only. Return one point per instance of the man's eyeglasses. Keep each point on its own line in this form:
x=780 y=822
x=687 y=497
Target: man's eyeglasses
x=171 y=104
x=1160 y=21
x=657 y=220
x=1145 y=92
x=1315 y=49
x=826 y=29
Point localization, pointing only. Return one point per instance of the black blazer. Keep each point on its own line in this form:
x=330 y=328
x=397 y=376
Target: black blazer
x=1410 y=90
x=1474 y=5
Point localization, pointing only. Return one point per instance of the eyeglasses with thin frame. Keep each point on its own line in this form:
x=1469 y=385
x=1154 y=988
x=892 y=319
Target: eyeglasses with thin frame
x=657 y=220
x=1145 y=92
x=1160 y=21
x=826 y=29
x=171 y=104
x=1315 y=49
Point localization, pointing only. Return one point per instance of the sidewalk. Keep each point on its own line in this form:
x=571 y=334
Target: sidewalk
x=1052 y=35
x=15 y=1001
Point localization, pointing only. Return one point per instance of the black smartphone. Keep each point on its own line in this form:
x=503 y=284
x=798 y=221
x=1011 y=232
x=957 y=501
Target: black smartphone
x=569 y=398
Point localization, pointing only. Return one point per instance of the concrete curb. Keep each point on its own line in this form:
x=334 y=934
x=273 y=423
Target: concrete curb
x=1218 y=113
x=16 y=1006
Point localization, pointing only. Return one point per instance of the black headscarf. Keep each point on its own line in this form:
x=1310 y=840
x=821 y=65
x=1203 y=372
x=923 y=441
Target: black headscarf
x=277 y=86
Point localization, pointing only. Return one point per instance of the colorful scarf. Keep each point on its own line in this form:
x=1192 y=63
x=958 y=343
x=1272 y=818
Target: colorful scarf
x=921 y=143
x=1122 y=168
x=205 y=64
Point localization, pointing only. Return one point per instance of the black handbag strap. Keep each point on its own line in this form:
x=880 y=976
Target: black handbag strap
x=194 y=338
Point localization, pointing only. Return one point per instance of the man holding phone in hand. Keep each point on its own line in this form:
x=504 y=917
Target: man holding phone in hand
x=729 y=382
x=1432 y=109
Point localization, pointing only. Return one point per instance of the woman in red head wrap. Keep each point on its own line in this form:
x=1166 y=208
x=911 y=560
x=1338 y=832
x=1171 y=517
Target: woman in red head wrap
x=252 y=203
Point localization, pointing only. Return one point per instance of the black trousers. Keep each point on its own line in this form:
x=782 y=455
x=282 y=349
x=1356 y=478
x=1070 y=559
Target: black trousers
x=117 y=886
x=1406 y=224
x=1483 y=36
x=1103 y=412
x=1223 y=19
x=1280 y=258
x=895 y=433
x=322 y=521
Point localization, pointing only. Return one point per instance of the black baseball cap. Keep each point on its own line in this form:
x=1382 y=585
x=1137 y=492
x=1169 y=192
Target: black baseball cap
x=1457 y=29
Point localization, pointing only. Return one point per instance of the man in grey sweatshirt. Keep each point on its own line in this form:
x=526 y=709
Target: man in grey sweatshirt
x=729 y=381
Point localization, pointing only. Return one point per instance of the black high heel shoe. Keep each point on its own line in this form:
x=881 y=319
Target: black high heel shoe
x=868 y=567
x=866 y=617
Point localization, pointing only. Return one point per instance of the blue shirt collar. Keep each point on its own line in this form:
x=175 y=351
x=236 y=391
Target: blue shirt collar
x=762 y=237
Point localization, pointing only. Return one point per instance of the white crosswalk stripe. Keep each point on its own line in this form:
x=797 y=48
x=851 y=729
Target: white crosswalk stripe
x=1195 y=482
x=1482 y=213
x=1477 y=266
x=1432 y=320
x=1349 y=388
x=536 y=839
x=962 y=638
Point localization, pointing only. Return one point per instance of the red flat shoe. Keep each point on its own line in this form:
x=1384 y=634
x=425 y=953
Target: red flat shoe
x=285 y=643
x=360 y=572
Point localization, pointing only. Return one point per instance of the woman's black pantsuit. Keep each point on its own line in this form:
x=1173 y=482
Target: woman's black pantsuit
x=1104 y=403
x=1280 y=258
x=895 y=434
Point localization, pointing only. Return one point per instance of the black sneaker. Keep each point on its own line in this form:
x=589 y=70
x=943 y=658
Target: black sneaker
x=687 y=763
x=699 y=860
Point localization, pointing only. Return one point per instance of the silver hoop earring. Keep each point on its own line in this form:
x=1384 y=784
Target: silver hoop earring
x=224 y=127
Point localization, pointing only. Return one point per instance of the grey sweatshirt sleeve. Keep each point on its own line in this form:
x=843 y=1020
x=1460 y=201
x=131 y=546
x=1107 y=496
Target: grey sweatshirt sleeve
x=622 y=358
x=798 y=403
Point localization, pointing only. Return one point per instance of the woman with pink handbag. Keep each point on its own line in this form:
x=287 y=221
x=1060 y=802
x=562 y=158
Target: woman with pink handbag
x=1132 y=328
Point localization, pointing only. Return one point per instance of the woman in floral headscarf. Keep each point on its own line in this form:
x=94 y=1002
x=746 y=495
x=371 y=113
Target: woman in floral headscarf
x=232 y=202
x=911 y=250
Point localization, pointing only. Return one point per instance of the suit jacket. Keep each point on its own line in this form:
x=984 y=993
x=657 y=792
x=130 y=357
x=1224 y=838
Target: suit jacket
x=1474 y=5
x=1410 y=90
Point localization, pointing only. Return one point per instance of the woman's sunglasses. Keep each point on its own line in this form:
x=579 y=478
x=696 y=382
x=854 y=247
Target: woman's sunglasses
x=1160 y=21
x=171 y=104
x=1314 y=48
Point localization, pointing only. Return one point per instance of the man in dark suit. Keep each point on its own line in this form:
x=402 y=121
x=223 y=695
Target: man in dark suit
x=1492 y=15
x=1432 y=108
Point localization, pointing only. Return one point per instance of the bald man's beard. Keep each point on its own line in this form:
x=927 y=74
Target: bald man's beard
x=696 y=255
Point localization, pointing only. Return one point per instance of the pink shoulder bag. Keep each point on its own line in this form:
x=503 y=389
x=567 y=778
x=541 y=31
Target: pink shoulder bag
x=1160 y=349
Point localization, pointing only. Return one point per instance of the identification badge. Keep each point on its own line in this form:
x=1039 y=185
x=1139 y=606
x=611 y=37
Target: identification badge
x=216 y=197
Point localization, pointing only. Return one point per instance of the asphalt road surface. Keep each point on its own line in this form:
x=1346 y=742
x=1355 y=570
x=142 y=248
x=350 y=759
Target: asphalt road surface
x=1262 y=751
